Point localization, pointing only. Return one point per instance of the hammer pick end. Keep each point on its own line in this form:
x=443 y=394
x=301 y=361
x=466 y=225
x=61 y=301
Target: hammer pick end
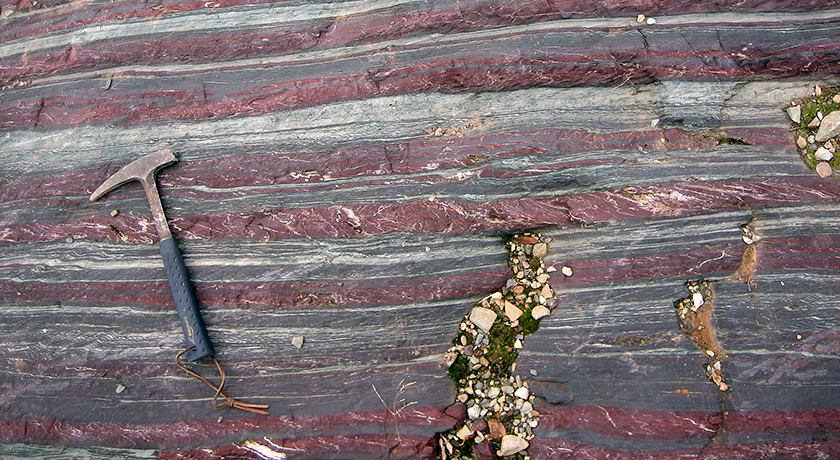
x=139 y=169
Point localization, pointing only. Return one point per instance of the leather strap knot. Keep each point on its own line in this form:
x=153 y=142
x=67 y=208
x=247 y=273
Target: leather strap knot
x=228 y=401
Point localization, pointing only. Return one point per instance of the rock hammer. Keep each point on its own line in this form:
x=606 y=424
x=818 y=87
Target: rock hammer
x=144 y=170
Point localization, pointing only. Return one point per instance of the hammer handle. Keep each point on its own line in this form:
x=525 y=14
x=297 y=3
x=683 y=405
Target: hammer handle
x=182 y=292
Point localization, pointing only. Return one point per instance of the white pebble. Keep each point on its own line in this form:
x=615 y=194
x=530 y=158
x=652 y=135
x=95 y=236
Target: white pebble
x=697 y=298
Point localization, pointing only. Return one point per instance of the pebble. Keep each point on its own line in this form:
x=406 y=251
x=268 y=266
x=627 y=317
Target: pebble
x=527 y=408
x=464 y=432
x=511 y=311
x=814 y=123
x=824 y=154
x=512 y=444
x=120 y=388
x=522 y=393
x=540 y=312
x=497 y=430
x=823 y=169
x=297 y=341
x=650 y=21
x=540 y=250
x=697 y=299
x=830 y=127
x=795 y=113
x=546 y=292
x=115 y=213
x=566 y=271
x=801 y=142
x=474 y=411
x=640 y=18
x=483 y=318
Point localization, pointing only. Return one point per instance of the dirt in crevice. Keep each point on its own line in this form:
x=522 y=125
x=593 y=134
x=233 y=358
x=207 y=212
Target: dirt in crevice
x=694 y=314
x=746 y=269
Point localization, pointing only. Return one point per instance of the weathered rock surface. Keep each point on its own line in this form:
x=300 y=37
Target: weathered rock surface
x=312 y=201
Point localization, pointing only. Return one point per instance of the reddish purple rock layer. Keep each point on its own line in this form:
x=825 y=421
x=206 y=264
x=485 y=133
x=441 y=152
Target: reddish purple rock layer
x=236 y=83
x=296 y=441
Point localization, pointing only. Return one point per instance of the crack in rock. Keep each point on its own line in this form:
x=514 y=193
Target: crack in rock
x=694 y=314
x=494 y=407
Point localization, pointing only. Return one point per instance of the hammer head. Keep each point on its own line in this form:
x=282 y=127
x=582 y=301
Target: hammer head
x=142 y=169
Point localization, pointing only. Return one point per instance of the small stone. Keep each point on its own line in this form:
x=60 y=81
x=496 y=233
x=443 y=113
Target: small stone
x=817 y=90
x=836 y=98
x=539 y=312
x=527 y=407
x=697 y=299
x=801 y=142
x=507 y=389
x=522 y=393
x=297 y=341
x=511 y=311
x=474 y=412
x=640 y=18
x=533 y=372
x=493 y=392
x=69 y=240
x=823 y=169
x=120 y=388
x=511 y=445
x=546 y=292
x=496 y=428
x=654 y=123
x=483 y=318
x=814 y=123
x=526 y=239
x=829 y=128
x=464 y=432
x=517 y=344
x=540 y=250
x=824 y=154
x=795 y=113
x=566 y=271
x=115 y=213
x=650 y=21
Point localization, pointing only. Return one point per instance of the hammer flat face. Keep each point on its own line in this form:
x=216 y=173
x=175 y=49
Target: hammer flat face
x=142 y=169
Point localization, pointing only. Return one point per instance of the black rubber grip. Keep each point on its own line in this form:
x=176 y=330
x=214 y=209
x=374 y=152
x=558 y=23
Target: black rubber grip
x=195 y=333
